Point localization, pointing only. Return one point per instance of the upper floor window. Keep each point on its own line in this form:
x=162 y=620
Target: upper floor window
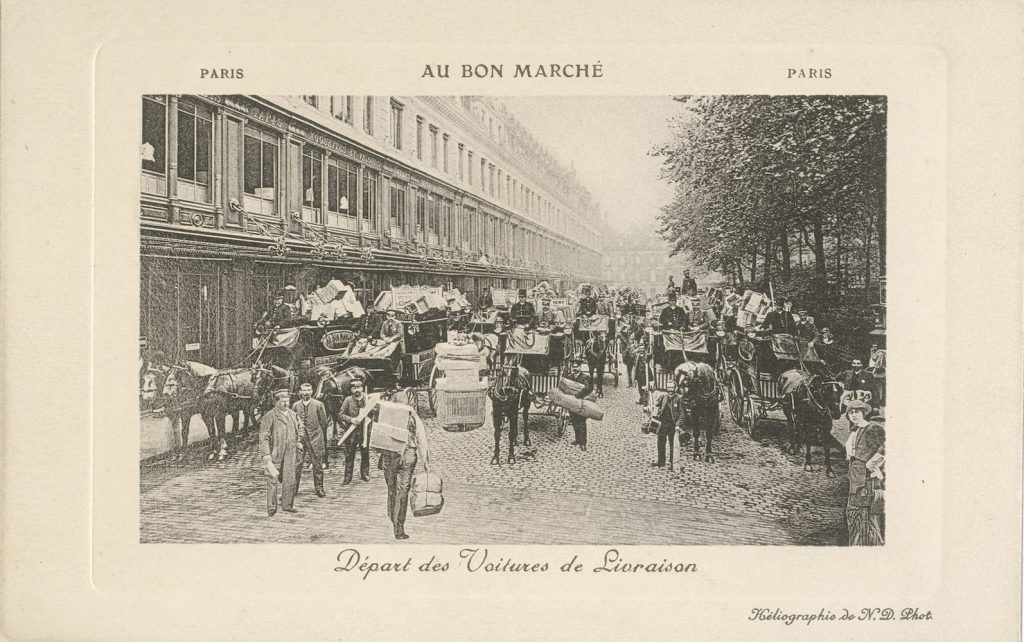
x=397 y=217
x=396 y=124
x=312 y=185
x=421 y=214
x=312 y=101
x=341 y=193
x=371 y=184
x=433 y=146
x=341 y=108
x=419 y=137
x=195 y=151
x=368 y=116
x=154 y=135
x=154 y=145
x=260 y=158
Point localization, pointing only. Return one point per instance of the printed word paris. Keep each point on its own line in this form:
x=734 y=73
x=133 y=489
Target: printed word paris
x=222 y=74
x=806 y=72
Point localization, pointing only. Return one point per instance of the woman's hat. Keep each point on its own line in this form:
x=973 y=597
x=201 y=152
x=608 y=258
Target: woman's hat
x=857 y=404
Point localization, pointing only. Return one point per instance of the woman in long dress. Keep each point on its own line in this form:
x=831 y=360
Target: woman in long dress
x=865 y=449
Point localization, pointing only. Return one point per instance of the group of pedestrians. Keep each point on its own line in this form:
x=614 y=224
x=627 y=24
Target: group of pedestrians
x=292 y=435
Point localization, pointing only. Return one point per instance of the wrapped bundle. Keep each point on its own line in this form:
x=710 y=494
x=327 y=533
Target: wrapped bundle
x=569 y=387
x=582 y=407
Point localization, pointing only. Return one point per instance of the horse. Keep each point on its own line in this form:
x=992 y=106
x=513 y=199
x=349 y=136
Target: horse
x=174 y=391
x=629 y=348
x=595 y=351
x=810 y=402
x=333 y=387
x=182 y=391
x=698 y=391
x=238 y=392
x=510 y=392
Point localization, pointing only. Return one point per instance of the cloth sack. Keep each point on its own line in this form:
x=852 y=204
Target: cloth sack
x=427 y=487
x=427 y=498
x=581 y=407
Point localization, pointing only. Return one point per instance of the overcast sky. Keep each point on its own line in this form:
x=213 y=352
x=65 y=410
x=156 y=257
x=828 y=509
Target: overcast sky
x=607 y=138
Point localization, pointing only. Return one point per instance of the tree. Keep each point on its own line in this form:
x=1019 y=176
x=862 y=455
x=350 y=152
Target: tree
x=756 y=175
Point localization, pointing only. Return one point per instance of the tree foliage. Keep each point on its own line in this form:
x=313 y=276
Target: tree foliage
x=766 y=182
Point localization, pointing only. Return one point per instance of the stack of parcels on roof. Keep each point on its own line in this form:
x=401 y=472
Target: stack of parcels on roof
x=503 y=298
x=456 y=300
x=449 y=358
x=754 y=308
x=335 y=301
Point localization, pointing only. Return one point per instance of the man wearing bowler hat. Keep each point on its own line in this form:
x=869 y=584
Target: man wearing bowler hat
x=281 y=451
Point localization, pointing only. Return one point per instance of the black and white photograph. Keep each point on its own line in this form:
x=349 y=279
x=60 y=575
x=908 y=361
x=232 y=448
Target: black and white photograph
x=614 y=320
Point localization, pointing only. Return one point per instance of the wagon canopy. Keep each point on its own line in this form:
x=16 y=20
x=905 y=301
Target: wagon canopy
x=692 y=341
x=786 y=346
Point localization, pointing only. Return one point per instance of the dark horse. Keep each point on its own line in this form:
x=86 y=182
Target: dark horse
x=810 y=402
x=333 y=387
x=595 y=350
x=699 y=395
x=238 y=392
x=509 y=393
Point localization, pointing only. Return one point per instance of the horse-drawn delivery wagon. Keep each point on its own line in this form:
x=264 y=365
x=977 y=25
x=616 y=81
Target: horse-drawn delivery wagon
x=594 y=341
x=753 y=383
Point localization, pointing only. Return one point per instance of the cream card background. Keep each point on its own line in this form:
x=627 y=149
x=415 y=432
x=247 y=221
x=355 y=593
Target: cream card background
x=73 y=567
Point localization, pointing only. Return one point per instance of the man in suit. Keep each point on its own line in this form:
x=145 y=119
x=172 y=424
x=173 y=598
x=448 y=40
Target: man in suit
x=857 y=378
x=805 y=327
x=779 y=320
x=277 y=313
x=391 y=328
x=588 y=304
x=312 y=435
x=689 y=284
x=522 y=312
x=485 y=300
x=674 y=316
x=351 y=408
x=281 y=451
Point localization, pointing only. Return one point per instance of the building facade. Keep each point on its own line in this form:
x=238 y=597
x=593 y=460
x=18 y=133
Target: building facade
x=641 y=260
x=241 y=195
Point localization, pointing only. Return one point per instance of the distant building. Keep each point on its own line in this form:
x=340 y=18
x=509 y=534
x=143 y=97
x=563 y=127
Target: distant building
x=641 y=260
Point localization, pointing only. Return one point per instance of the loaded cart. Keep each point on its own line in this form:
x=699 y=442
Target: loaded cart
x=458 y=390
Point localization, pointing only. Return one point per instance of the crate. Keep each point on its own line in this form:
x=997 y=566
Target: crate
x=462 y=407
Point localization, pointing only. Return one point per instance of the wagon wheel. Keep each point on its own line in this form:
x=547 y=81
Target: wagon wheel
x=721 y=367
x=432 y=391
x=750 y=416
x=737 y=398
x=613 y=358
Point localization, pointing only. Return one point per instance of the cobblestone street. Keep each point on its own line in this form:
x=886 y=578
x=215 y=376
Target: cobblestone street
x=752 y=494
